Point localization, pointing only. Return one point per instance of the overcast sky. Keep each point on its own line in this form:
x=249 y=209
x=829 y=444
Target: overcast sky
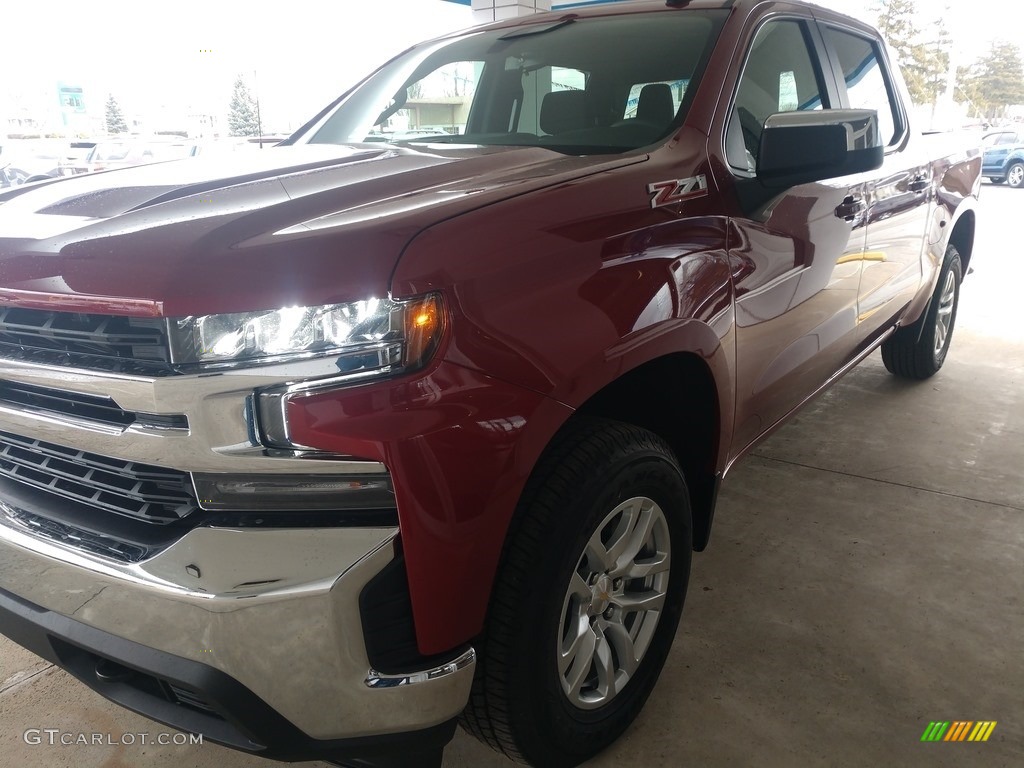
x=301 y=53
x=148 y=54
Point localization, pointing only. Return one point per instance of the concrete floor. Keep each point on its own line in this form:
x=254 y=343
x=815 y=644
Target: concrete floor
x=865 y=577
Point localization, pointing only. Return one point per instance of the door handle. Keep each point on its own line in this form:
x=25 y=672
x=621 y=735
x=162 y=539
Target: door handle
x=850 y=208
x=919 y=184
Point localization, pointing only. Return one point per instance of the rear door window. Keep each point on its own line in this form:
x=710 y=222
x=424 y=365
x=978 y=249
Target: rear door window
x=866 y=80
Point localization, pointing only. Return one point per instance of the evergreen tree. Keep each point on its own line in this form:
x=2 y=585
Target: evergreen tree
x=937 y=58
x=896 y=21
x=923 y=60
x=967 y=79
x=996 y=81
x=115 y=120
x=242 y=115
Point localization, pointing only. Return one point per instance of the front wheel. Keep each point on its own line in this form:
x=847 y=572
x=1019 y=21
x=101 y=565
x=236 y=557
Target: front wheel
x=919 y=350
x=1015 y=175
x=587 y=599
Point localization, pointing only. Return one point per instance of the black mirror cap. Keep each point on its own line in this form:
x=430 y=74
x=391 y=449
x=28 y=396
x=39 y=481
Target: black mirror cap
x=803 y=147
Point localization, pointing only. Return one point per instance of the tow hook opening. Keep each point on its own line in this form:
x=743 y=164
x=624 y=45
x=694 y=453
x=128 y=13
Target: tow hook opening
x=111 y=672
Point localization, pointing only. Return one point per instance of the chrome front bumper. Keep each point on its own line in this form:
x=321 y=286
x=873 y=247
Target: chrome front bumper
x=276 y=610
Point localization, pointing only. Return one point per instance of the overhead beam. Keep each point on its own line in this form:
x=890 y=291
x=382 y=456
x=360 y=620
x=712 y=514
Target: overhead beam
x=497 y=10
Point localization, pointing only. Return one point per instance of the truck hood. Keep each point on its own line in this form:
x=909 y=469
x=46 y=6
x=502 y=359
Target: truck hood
x=302 y=225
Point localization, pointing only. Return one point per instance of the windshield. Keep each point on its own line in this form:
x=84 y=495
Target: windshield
x=599 y=85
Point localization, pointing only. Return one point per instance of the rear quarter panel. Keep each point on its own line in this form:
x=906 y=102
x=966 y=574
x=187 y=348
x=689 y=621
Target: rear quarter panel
x=957 y=173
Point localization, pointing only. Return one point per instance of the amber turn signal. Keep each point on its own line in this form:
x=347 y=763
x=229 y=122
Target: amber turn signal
x=424 y=326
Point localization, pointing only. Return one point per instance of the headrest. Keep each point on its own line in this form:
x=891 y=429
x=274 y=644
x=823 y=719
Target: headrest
x=563 y=111
x=656 y=105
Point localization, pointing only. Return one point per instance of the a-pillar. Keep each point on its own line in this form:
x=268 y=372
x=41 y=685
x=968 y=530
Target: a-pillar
x=496 y=10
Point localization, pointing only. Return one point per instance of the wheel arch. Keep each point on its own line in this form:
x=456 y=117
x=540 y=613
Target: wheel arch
x=675 y=396
x=1010 y=162
x=962 y=237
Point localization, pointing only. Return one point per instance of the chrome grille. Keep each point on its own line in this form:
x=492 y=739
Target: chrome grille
x=80 y=539
x=106 y=342
x=92 y=408
x=140 y=491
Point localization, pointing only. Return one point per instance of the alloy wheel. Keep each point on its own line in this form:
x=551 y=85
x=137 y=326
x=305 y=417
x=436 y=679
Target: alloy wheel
x=944 y=317
x=613 y=603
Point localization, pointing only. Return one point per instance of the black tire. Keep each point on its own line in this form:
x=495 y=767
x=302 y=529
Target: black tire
x=519 y=705
x=996 y=179
x=1015 y=175
x=919 y=350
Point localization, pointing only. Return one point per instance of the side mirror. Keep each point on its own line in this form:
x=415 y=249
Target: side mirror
x=803 y=147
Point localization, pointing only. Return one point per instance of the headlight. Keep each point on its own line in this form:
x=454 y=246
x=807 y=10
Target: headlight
x=372 y=335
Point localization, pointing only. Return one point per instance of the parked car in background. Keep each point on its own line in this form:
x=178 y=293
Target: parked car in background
x=10 y=176
x=266 y=140
x=26 y=161
x=211 y=147
x=77 y=154
x=1004 y=157
x=126 y=152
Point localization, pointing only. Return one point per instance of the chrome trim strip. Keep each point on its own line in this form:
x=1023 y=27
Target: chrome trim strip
x=220 y=437
x=861 y=129
x=272 y=402
x=334 y=382
x=376 y=680
x=157 y=429
x=84 y=422
x=89 y=303
x=71 y=422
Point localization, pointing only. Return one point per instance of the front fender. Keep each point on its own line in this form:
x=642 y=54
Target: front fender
x=460 y=446
x=551 y=297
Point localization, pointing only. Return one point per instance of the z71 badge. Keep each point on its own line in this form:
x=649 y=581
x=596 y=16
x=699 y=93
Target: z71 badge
x=677 y=190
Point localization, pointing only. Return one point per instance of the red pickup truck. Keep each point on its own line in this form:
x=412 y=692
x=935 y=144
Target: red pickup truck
x=319 y=450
